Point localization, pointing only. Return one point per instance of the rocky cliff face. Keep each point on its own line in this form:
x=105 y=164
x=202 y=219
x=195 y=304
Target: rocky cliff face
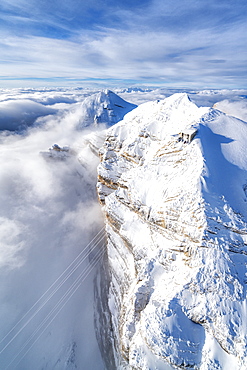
x=175 y=210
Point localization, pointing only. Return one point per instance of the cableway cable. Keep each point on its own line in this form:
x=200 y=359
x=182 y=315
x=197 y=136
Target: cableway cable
x=63 y=277
x=59 y=306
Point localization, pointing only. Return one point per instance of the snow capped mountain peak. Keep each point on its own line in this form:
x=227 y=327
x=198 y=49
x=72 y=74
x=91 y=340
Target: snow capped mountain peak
x=177 y=99
x=168 y=116
x=104 y=107
x=173 y=184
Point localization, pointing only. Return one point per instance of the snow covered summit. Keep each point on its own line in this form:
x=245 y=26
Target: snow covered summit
x=103 y=107
x=177 y=234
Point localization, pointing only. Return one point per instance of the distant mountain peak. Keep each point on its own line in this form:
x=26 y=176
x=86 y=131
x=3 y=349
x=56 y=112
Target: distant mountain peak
x=104 y=107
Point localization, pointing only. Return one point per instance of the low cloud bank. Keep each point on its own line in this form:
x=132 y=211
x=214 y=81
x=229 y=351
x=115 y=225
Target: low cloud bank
x=18 y=114
x=49 y=214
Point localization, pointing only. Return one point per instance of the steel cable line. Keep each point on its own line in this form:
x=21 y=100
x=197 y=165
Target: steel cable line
x=59 y=306
x=52 y=294
x=98 y=238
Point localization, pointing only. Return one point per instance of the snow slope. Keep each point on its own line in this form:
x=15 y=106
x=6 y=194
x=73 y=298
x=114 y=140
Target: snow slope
x=236 y=108
x=176 y=224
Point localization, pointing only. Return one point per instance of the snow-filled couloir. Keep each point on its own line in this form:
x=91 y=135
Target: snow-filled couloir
x=173 y=185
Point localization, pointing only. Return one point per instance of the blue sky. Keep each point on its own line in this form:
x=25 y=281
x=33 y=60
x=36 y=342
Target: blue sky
x=192 y=43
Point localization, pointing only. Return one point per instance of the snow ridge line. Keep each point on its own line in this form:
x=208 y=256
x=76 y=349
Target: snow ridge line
x=59 y=306
x=65 y=275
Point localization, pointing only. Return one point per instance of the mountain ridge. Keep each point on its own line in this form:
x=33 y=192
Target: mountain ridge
x=175 y=235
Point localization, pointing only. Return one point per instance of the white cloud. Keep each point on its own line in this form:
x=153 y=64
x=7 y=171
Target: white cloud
x=49 y=213
x=37 y=195
x=190 y=57
x=20 y=113
x=11 y=245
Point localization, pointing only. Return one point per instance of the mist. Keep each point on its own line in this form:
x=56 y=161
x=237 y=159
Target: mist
x=49 y=215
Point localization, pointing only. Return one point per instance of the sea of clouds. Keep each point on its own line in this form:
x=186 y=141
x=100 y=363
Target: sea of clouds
x=49 y=214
